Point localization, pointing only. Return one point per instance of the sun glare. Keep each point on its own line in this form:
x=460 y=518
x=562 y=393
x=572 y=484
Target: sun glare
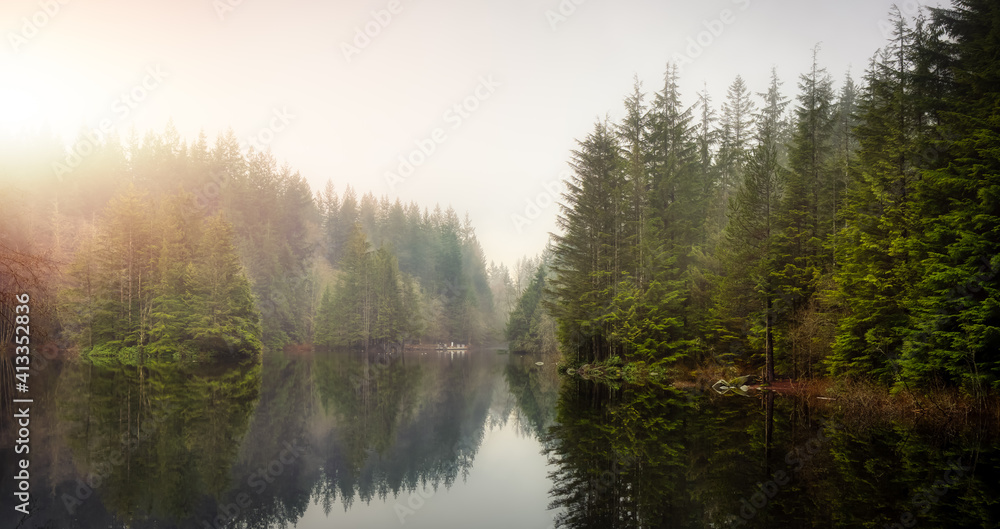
x=36 y=95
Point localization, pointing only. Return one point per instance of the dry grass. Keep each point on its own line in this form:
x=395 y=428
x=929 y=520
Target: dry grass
x=867 y=404
x=703 y=377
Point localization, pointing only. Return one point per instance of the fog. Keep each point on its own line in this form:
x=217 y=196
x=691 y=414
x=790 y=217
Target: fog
x=485 y=100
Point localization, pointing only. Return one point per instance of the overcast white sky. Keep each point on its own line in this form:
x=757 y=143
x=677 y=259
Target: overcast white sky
x=354 y=117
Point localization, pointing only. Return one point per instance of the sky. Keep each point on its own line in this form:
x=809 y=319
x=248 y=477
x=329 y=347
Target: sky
x=472 y=104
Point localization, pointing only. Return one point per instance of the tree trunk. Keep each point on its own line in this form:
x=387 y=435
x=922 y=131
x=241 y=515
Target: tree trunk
x=768 y=345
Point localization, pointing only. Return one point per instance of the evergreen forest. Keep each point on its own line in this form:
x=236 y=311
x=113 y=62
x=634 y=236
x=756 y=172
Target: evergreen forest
x=833 y=229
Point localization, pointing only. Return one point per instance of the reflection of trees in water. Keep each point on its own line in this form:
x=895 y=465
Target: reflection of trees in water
x=658 y=457
x=651 y=457
x=616 y=456
x=399 y=422
x=377 y=426
x=535 y=390
x=158 y=437
x=877 y=475
x=286 y=403
x=368 y=395
x=637 y=457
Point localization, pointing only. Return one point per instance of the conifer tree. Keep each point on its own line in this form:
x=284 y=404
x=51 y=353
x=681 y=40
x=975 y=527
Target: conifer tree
x=806 y=210
x=877 y=271
x=633 y=134
x=227 y=319
x=751 y=234
x=955 y=334
x=735 y=135
x=586 y=256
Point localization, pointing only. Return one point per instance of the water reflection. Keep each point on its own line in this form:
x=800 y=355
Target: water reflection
x=658 y=457
x=398 y=423
x=265 y=444
x=617 y=457
x=535 y=390
x=341 y=438
x=126 y=444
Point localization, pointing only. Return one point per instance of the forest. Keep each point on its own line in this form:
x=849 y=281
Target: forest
x=851 y=231
x=771 y=298
x=168 y=249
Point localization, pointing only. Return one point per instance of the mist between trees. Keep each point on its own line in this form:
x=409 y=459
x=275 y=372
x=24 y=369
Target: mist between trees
x=851 y=231
x=173 y=249
x=848 y=231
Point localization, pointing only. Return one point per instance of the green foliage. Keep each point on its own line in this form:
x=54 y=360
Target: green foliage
x=920 y=253
x=446 y=292
x=529 y=326
x=161 y=436
x=955 y=329
x=748 y=289
x=632 y=219
x=160 y=281
x=861 y=234
x=876 y=246
x=373 y=304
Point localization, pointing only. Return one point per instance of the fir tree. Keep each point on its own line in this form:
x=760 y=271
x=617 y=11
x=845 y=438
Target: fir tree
x=956 y=329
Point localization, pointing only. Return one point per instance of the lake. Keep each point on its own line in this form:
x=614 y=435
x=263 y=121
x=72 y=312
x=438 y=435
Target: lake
x=473 y=439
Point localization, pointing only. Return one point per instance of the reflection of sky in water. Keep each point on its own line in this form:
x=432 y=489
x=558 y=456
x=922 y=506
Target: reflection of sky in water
x=639 y=457
x=507 y=487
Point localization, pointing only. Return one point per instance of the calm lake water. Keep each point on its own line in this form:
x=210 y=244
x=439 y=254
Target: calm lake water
x=480 y=439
